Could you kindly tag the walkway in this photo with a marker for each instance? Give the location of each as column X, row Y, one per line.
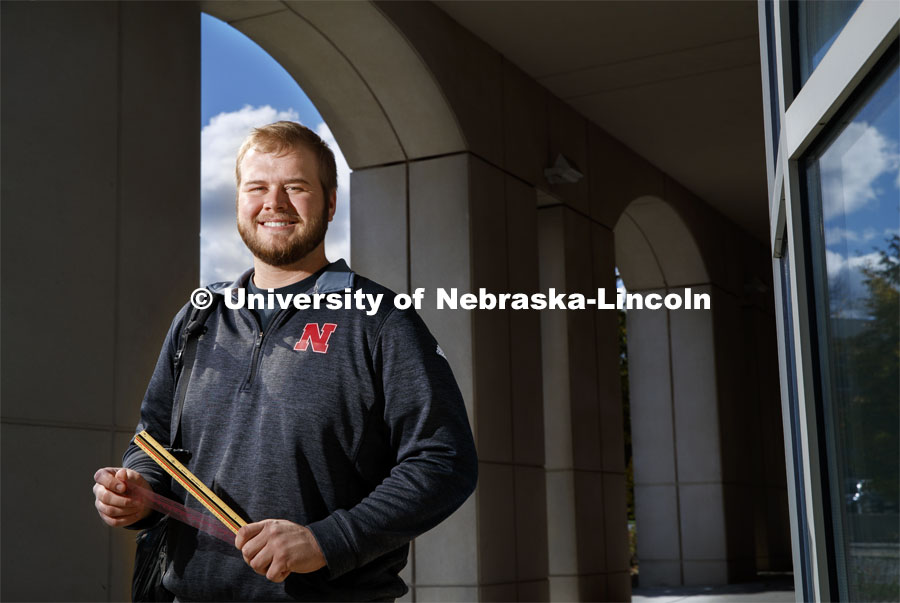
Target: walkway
column 772, row 590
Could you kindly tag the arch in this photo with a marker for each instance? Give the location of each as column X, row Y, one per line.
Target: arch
column 379, row 99
column 655, row 249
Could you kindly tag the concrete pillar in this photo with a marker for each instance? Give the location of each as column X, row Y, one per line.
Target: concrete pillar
column 100, row 236
column 458, row 222
column 583, row 423
column 656, row 497
column 695, row 422
column 698, row 444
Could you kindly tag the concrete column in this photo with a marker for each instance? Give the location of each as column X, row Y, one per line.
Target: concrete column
column 379, row 206
column 101, row 222
column 458, row 222
column 679, row 490
column 698, row 444
column 585, row 475
column 695, row 422
column 653, row 443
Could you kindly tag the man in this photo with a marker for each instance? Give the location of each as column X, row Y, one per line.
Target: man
column 340, row 435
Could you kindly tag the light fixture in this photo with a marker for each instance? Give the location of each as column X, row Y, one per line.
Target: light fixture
column 563, row 171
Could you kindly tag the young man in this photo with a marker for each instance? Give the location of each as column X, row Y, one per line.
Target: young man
column 339, row 433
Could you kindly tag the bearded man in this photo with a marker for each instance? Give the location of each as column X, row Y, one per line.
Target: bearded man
column 340, row 434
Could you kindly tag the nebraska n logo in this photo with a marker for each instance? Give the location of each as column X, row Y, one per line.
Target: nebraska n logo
column 318, row 338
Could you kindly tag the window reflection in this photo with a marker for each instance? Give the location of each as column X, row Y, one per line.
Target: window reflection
column 855, row 196
column 819, row 24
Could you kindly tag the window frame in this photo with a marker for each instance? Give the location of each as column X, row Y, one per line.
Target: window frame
column 804, row 113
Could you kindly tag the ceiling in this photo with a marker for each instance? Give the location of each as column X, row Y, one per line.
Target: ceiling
column 677, row 81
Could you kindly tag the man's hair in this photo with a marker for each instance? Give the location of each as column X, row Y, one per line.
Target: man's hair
column 285, row 136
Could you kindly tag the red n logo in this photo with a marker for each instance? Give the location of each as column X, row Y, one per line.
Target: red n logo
column 318, row 339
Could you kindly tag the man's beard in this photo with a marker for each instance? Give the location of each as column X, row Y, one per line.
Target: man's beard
column 291, row 250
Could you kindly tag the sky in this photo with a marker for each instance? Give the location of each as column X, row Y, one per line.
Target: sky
column 859, row 188
column 243, row 87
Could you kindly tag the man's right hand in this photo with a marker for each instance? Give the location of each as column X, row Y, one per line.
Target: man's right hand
column 115, row 499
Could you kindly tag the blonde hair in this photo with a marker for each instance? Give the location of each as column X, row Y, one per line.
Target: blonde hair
column 284, row 136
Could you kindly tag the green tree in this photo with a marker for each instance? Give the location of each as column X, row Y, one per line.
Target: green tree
column 874, row 399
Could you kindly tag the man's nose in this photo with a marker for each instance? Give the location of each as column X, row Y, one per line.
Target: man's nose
column 277, row 199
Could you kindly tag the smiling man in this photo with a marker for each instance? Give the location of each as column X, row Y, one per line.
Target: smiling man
column 338, row 433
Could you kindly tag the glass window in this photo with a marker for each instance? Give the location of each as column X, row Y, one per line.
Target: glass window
column 818, row 25
column 854, row 216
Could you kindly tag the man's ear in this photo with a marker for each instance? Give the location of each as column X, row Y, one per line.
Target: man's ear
column 332, row 204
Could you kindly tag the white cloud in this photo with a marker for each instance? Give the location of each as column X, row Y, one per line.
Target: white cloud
column 835, row 263
column 859, row 156
column 846, row 287
column 837, row 234
column 223, row 255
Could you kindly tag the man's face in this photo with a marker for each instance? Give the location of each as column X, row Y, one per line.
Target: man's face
column 282, row 213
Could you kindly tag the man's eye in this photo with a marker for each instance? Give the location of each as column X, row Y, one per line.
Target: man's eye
column 295, row 189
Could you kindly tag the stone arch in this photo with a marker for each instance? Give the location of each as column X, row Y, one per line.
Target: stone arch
column 655, row 248
column 379, row 99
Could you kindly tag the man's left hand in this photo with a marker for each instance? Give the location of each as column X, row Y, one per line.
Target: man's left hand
column 276, row 547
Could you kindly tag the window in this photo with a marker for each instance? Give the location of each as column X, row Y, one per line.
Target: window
column 818, row 25
column 854, row 216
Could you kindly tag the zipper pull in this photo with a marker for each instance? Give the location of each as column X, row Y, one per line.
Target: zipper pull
column 259, row 339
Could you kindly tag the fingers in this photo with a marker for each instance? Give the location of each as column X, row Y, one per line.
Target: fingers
column 117, row 522
column 259, row 545
column 106, row 477
column 131, row 478
column 277, row 572
column 248, row 532
column 252, row 540
column 262, row 560
column 114, row 505
column 116, row 516
column 108, row 497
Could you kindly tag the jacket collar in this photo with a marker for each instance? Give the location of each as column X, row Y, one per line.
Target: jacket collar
column 336, row 277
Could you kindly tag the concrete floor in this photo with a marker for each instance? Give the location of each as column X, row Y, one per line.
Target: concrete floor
column 774, row 590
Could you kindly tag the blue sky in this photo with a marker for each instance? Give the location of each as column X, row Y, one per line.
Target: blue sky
column 860, row 195
column 243, row 87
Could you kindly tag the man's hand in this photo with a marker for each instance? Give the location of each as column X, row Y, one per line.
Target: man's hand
column 114, row 496
column 276, row 547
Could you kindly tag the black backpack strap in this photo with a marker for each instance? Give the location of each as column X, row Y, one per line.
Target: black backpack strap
column 184, row 361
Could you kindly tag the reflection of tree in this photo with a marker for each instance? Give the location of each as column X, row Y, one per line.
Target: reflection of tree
column 840, row 295
column 873, row 366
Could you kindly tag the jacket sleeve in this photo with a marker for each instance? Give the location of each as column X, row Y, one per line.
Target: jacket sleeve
column 436, row 467
column 156, row 415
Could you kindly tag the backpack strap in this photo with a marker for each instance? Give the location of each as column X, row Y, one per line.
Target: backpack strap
column 184, row 361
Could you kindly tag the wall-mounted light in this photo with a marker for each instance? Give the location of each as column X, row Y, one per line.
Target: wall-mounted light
column 563, row 171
